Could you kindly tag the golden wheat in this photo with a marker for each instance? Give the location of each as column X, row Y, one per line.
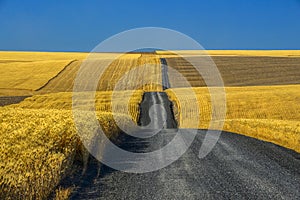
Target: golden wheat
column 143, row 72
column 29, row 75
column 39, row 140
column 269, row 113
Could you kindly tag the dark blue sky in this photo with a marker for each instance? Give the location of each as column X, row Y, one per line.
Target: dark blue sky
column 80, row 25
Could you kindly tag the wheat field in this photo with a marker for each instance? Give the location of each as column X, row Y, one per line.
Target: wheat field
column 145, row 75
column 268, row 113
column 38, row 147
column 29, row 73
column 39, row 140
column 24, row 72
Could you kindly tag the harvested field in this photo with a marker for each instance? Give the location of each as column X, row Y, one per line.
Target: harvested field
column 272, row 53
column 240, row 71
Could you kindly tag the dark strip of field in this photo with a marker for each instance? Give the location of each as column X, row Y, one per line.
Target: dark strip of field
column 240, row 70
column 7, row 100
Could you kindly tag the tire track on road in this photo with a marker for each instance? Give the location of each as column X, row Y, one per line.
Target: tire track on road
column 165, row 76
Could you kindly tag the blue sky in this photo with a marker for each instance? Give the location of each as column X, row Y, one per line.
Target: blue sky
column 80, row 25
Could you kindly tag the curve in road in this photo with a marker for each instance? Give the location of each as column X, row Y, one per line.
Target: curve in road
column 238, row 167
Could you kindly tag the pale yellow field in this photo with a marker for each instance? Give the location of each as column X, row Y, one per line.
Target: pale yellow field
column 39, row 140
column 17, row 56
column 24, row 72
column 270, row 113
column 29, row 75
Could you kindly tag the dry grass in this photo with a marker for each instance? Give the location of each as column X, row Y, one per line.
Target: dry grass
column 270, row 113
column 63, row 193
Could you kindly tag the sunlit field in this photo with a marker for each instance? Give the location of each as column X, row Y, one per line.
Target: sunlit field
column 24, row 72
column 39, row 140
column 270, row 113
column 38, row 136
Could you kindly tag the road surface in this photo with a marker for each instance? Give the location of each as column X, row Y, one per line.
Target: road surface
column 164, row 71
column 238, row 167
